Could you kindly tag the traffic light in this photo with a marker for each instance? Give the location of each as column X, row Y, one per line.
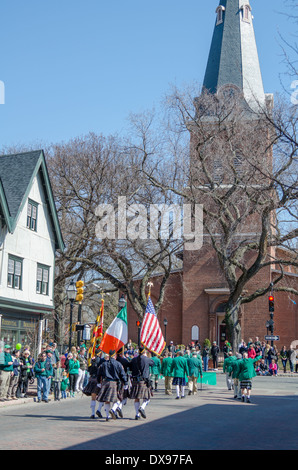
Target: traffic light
column 271, row 303
column 80, row 291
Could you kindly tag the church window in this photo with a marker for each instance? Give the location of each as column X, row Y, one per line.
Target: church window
column 238, row 164
column 217, row 172
column 246, row 13
column 220, row 12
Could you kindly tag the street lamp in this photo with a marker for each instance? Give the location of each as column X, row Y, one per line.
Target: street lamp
column 71, row 294
column 121, row 302
column 165, row 322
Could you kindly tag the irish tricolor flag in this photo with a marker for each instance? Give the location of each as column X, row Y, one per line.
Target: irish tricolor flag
column 117, row 334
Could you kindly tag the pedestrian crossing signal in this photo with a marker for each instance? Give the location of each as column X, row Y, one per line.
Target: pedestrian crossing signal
column 271, row 303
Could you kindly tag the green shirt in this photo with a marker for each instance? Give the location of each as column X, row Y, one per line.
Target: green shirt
column 179, row 367
column 195, row 366
column 246, row 368
column 166, row 367
column 155, row 370
column 73, row 366
column 228, row 364
column 7, row 358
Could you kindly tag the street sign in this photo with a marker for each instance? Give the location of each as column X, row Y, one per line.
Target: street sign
column 272, row 338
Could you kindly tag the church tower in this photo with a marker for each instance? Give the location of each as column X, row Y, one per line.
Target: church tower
column 229, row 144
column 233, row 57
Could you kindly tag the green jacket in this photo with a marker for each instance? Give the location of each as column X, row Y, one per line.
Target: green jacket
column 73, row 366
column 195, row 366
column 228, row 364
column 155, row 370
column 179, row 367
column 64, row 383
column 46, row 365
column 166, row 367
column 7, row 358
column 246, row 368
column 235, row 368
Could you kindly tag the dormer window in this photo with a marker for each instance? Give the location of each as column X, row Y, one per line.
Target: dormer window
column 246, row 13
column 220, row 13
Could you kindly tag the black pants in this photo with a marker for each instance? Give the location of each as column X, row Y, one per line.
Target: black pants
column 72, row 382
column 215, row 361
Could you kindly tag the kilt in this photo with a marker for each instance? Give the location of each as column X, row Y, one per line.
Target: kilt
column 108, row 391
column 179, row 381
column 91, row 387
column 246, row 384
column 140, row 390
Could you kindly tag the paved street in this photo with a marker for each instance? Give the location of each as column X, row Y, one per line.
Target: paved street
column 211, row 420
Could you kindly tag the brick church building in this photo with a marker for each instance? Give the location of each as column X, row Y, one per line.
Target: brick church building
column 196, row 294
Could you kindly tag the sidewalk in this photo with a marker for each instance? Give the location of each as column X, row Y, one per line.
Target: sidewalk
column 31, row 397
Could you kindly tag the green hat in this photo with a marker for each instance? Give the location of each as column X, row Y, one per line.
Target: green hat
column 7, row 346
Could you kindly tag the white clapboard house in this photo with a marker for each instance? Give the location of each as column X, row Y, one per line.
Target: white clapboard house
column 30, row 235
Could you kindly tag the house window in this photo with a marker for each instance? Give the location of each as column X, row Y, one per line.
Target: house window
column 14, row 275
column 220, row 12
column 32, row 215
column 42, row 279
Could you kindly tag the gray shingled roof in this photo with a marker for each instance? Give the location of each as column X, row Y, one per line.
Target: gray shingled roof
column 15, row 173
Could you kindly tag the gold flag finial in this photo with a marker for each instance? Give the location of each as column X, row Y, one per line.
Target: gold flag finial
column 150, row 284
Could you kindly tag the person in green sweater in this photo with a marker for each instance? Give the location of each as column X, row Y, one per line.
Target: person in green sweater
column 195, row 370
column 155, row 370
column 235, row 376
column 180, row 371
column 6, row 371
column 246, row 374
column 64, row 384
column 228, row 369
column 73, row 371
column 166, row 372
column 44, row 372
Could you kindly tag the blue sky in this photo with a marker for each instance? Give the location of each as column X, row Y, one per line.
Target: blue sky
column 73, row 66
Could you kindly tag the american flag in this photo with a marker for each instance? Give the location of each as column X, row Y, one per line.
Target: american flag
column 151, row 335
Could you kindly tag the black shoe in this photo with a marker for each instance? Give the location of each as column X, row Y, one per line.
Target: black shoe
column 92, row 417
column 137, row 418
column 142, row 413
column 177, row 398
column 113, row 414
column 99, row 414
column 182, row 396
column 119, row 411
column 248, row 400
column 243, row 398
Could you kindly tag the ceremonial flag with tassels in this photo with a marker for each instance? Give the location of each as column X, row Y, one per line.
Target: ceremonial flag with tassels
column 97, row 332
column 116, row 335
column 151, row 335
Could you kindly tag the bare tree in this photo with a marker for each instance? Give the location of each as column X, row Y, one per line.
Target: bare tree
column 242, row 167
column 91, row 176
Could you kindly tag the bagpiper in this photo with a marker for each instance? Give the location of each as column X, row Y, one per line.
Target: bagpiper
column 141, row 384
column 110, row 375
